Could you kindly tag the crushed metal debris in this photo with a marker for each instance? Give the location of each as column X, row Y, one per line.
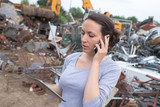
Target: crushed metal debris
column 38, row 49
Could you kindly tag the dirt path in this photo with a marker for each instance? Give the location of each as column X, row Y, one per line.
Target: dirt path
column 16, row 95
column 12, row 93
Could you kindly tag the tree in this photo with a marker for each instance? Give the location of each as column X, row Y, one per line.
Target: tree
column 134, row 19
column 76, row 12
column 25, row 2
column 63, row 17
column 119, row 17
column 34, row 5
column 42, row 3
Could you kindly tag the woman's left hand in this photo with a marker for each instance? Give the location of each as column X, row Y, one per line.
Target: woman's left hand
column 102, row 51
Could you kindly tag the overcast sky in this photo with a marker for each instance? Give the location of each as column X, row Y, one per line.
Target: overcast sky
column 141, row 9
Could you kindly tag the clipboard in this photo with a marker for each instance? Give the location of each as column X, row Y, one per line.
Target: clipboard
column 43, row 85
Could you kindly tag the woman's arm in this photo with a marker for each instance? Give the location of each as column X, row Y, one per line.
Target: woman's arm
column 92, row 87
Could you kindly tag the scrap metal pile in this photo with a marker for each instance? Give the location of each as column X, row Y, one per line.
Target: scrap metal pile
column 20, row 24
column 141, row 48
column 24, row 45
column 30, row 30
column 23, row 33
column 139, row 54
column 138, row 94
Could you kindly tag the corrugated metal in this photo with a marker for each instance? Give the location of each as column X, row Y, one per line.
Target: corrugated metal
column 39, row 12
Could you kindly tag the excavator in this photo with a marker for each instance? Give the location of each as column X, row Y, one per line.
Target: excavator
column 118, row 25
column 54, row 5
column 87, row 6
column 52, row 12
column 39, row 17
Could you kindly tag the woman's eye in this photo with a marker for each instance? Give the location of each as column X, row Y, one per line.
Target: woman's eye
column 91, row 36
column 82, row 33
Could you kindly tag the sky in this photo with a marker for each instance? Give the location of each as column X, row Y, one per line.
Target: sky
column 141, row 9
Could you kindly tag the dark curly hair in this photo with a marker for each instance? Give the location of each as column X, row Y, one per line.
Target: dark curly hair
column 107, row 27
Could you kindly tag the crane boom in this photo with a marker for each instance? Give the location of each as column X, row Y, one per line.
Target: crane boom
column 87, row 5
column 55, row 6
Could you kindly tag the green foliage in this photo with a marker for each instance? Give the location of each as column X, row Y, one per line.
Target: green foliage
column 76, row 12
column 133, row 18
column 34, row 5
column 25, row 2
column 42, row 3
column 63, row 17
column 119, row 17
column 63, row 12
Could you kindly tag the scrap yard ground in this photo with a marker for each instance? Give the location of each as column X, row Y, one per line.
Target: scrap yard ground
column 18, row 96
column 14, row 94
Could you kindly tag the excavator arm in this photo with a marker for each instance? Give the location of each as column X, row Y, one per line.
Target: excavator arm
column 55, row 6
column 87, row 5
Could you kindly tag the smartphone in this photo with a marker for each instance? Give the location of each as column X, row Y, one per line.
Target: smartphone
column 95, row 48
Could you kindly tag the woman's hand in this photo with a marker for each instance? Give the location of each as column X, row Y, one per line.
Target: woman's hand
column 37, row 90
column 101, row 53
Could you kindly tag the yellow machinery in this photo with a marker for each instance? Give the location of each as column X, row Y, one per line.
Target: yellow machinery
column 118, row 25
column 42, row 15
column 55, row 6
column 87, row 5
column 107, row 14
column 51, row 12
column 89, row 8
column 54, row 10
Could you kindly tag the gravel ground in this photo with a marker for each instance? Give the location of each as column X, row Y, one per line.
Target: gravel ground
column 13, row 94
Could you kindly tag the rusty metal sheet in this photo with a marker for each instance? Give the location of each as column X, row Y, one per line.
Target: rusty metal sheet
column 156, row 41
column 3, row 40
column 5, row 1
column 2, row 25
column 25, row 36
column 39, row 12
column 11, row 33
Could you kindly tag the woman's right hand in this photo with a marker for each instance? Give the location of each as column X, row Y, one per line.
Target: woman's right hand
column 38, row 90
column 102, row 51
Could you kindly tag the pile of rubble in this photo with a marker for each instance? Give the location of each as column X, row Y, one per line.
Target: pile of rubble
column 12, row 35
column 42, row 40
column 31, row 44
column 21, row 28
column 141, row 48
column 139, row 56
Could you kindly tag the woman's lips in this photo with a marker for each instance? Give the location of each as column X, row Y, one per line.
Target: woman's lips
column 84, row 47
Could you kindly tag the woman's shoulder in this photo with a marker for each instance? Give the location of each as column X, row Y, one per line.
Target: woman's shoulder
column 73, row 55
column 111, row 64
column 110, row 67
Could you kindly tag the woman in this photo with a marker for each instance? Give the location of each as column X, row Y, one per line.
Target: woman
column 88, row 77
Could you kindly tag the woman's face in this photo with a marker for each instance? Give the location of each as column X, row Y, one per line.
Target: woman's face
column 90, row 35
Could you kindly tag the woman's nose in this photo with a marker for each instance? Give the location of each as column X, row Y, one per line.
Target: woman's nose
column 84, row 38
